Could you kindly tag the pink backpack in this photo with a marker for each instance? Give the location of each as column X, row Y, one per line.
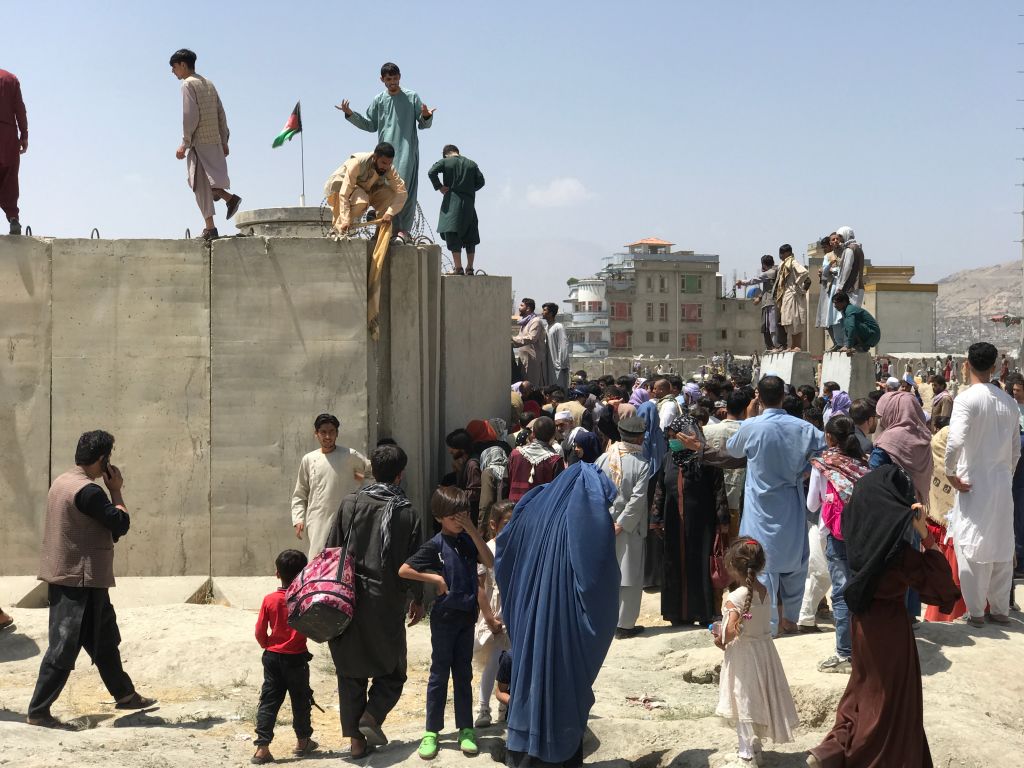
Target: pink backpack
column 322, row 598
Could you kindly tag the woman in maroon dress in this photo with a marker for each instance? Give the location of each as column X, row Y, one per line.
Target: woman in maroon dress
column 880, row 720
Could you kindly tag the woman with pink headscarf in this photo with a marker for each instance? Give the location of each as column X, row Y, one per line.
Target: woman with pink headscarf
column 905, row 440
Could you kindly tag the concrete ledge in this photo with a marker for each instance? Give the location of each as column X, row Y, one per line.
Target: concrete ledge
column 855, row 374
column 794, row 368
column 246, row 592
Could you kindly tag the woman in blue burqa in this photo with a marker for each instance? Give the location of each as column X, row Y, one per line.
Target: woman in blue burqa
column 555, row 566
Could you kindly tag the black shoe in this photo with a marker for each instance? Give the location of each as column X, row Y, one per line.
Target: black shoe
column 210, row 234
column 15, row 227
column 136, row 702
column 625, row 634
column 233, row 205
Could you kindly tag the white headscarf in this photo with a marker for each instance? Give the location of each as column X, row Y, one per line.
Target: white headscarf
column 847, row 234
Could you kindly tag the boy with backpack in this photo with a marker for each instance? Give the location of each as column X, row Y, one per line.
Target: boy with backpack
column 285, row 666
column 449, row 561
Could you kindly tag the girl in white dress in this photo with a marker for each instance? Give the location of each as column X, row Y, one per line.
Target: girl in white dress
column 753, row 694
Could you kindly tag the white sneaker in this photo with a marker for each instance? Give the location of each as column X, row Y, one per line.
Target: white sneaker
column 483, row 720
column 835, row 663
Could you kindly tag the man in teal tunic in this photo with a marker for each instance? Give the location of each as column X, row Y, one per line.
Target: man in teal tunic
column 394, row 115
column 862, row 331
column 460, row 178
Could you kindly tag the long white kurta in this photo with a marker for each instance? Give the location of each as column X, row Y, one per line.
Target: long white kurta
column 324, row 480
column 982, row 449
column 560, row 350
column 630, row 511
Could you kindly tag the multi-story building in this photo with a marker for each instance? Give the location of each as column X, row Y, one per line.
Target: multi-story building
column 659, row 302
column 587, row 321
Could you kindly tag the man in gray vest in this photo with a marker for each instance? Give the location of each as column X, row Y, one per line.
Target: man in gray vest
column 77, row 562
column 204, row 140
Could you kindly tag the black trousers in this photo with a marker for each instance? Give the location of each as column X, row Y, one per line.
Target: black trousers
column 80, row 617
column 354, row 699
column 284, row 673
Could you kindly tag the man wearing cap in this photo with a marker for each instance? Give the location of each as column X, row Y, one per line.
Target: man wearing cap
column 576, row 405
column 564, row 424
column 625, row 465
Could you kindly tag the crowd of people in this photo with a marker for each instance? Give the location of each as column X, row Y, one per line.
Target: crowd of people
column 751, row 507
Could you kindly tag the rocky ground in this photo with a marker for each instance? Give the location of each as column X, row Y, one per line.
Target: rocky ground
column 203, row 664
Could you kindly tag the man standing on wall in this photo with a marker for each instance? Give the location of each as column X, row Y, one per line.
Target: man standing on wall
column 531, row 343
column 395, row 114
column 13, row 144
column 459, row 179
column 204, row 140
column 326, row 476
column 77, row 563
column 559, row 346
column 791, row 286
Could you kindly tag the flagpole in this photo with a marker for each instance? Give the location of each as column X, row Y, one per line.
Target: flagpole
column 302, row 155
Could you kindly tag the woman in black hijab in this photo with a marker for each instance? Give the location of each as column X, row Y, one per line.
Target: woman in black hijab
column 690, row 503
column 880, row 720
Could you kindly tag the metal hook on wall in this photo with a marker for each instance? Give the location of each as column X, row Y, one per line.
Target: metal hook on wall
column 28, row 231
column 188, row 233
column 95, row 234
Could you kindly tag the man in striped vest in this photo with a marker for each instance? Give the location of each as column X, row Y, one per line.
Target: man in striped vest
column 204, row 140
column 77, row 562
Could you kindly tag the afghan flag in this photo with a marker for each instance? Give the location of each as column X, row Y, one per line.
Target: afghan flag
column 293, row 126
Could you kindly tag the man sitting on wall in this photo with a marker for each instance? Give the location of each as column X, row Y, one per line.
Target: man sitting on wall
column 862, row 331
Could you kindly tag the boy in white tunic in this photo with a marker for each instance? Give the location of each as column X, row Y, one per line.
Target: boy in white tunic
column 326, row 476
column 981, row 454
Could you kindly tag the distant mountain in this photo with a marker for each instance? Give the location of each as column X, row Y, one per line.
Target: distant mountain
column 988, row 291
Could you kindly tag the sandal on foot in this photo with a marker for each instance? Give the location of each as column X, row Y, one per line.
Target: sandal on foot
column 469, row 271
column 258, row 759
column 210, row 234
column 457, row 271
column 303, row 751
column 48, row 721
column 372, row 733
column 233, row 205
column 135, row 702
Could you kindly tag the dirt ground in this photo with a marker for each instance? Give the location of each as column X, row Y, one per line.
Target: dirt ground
column 203, row 664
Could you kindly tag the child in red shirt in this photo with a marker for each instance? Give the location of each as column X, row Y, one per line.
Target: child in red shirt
column 285, row 666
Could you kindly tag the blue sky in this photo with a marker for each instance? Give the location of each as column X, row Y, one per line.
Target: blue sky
column 724, row 127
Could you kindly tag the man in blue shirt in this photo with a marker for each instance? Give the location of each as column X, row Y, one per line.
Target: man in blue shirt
column 777, row 447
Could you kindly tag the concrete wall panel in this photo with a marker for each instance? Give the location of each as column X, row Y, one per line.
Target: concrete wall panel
column 474, row 349
column 288, row 342
column 24, row 400
column 855, row 374
column 409, row 367
column 131, row 355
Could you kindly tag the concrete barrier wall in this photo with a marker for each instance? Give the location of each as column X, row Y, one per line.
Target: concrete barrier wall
column 469, row 354
column 24, row 400
column 131, row 355
column 288, row 342
column 209, row 365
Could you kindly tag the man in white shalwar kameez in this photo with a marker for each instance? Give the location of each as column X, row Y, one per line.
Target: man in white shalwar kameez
column 559, row 347
column 326, row 476
column 981, row 454
column 625, row 465
column 204, row 140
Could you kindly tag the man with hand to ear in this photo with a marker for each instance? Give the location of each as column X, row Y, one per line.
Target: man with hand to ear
column 77, row 563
